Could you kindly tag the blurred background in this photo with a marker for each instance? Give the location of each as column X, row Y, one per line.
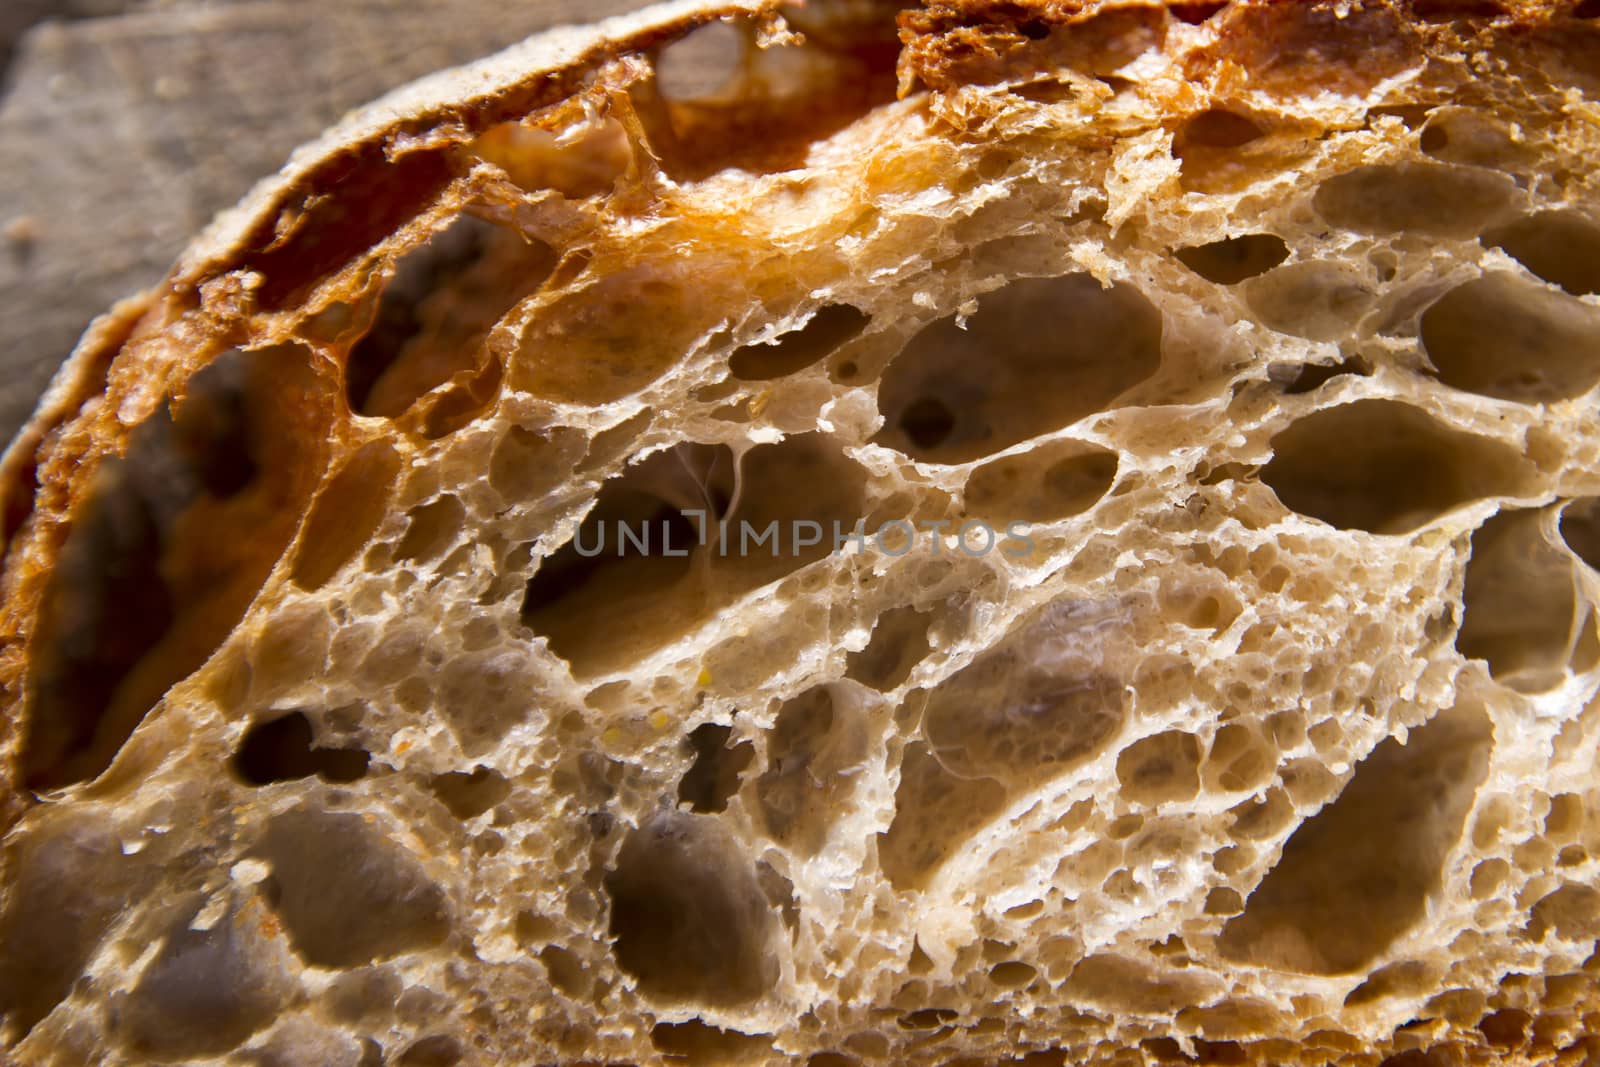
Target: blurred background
column 125, row 125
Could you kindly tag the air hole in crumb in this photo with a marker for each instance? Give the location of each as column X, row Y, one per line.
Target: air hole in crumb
column 928, row 1018
column 58, row 907
column 815, row 753
column 1565, row 818
column 1571, row 912
column 1123, row 985
column 1454, row 10
column 1045, row 91
column 106, row 608
column 1358, row 874
column 214, row 429
column 345, row 514
column 284, row 750
column 432, row 529
column 1022, row 713
column 418, row 1004
column 1049, row 483
column 1506, row 1029
column 1024, row 912
column 642, row 570
column 1405, row 978
column 482, row 695
column 1314, row 299
column 581, row 160
column 339, row 211
column 1561, row 247
column 531, row 928
column 566, row 970
column 1410, row 1058
column 1233, row 259
column 1221, row 1053
column 417, row 276
column 1218, row 128
column 1213, row 147
column 1384, row 467
column 953, row 395
column 615, row 441
column 1224, row 901
column 469, row 794
column 1018, row 711
column 898, row 643
column 1002, row 717
column 935, row 813
column 166, row 549
column 1580, row 529
column 612, row 333
column 696, row 1042
column 1587, row 9
column 636, row 538
column 1313, row 376
column 437, row 1050
column 203, row 993
column 1228, row 472
column 1468, row 136
column 1519, row 603
column 347, row 893
column 689, row 920
column 780, row 894
column 1505, row 337
column 365, row 994
column 700, row 64
column 1012, row 974
column 824, row 333
column 1432, row 198
column 1160, row 769
column 470, row 394
column 1194, row 12
column 714, row 776
column 1240, row 760
column 1163, row 1050
column 719, row 101
column 927, row 422
column 919, row 962
column 436, row 311
column 526, row 463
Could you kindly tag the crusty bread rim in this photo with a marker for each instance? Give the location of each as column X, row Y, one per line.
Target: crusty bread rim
column 540, row 70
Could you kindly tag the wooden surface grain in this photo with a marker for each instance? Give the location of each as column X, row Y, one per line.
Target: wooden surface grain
column 125, row 125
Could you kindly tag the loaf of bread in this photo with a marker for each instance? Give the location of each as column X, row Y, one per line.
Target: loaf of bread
column 1038, row 532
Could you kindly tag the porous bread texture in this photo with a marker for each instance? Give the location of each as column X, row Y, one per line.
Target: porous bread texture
column 1275, row 323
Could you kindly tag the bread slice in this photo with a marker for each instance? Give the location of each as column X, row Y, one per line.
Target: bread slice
column 1123, row 490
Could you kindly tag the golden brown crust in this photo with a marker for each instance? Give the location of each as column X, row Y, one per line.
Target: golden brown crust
column 1281, row 46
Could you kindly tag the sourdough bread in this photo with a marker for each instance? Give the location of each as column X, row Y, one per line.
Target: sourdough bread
column 998, row 532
